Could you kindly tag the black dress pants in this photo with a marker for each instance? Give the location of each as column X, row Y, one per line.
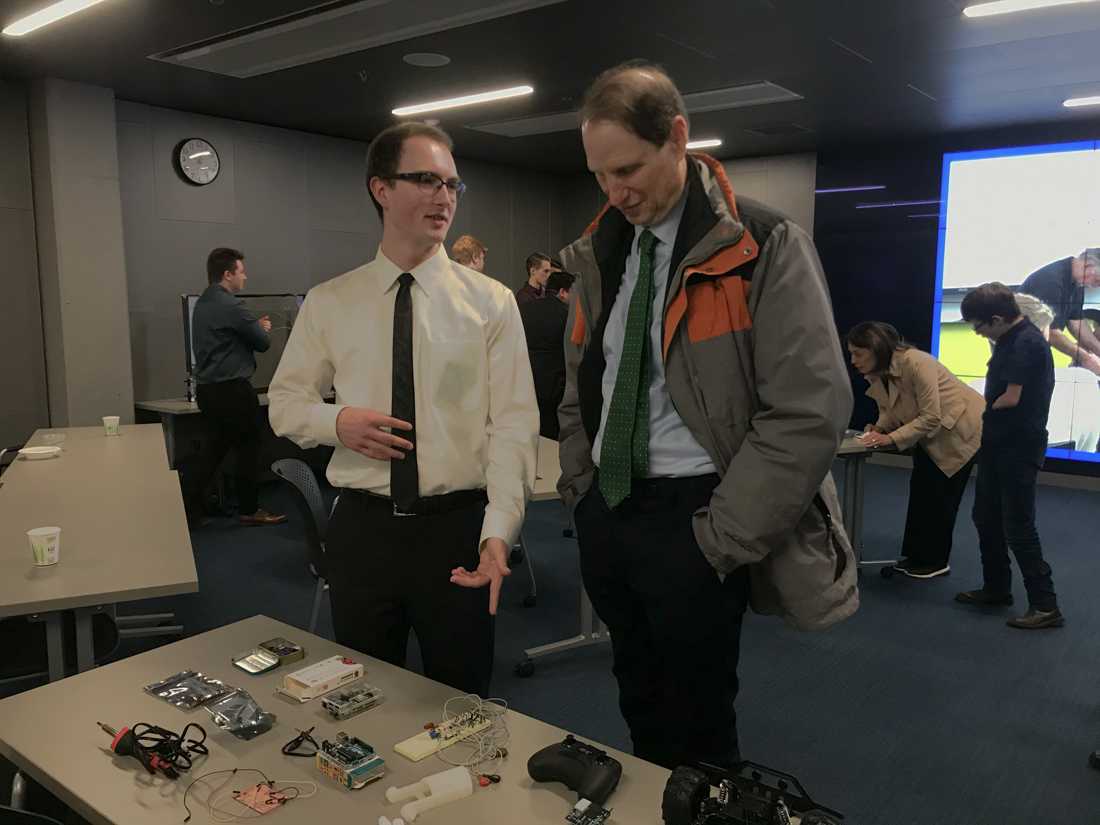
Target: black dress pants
column 230, row 409
column 675, row 626
column 1004, row 513
column 934, row 501
column 389, row 574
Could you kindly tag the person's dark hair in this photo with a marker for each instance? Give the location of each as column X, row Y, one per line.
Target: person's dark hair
column 535, row 259
column 219, row 261
column 988, row 300
column 882, row 339
column 637, row 95
column 559, row 281
column 384, row 152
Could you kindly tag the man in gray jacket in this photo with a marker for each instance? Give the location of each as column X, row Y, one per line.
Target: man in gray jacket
column 706, row 395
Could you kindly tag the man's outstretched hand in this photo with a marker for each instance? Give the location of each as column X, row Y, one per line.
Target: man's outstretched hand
column 491, row 571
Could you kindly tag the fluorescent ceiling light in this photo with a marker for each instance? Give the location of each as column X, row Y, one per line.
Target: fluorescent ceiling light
column 465, row 100
column 891, row 204
column 1010, row 6
column 1074, row 102
column 198, row 155
column 709, row 143
column 50, row 14
column 848, row 189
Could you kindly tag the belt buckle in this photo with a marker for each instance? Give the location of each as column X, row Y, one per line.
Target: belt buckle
column 399, row 513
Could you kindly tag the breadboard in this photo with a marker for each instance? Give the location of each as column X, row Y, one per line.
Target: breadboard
column 445, row 733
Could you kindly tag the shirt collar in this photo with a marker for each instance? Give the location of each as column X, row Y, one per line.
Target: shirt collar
column 666, row 230
column 429, row 275
column 1013, row 331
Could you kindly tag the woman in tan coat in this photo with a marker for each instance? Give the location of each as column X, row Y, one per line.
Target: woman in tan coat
column 922, row 407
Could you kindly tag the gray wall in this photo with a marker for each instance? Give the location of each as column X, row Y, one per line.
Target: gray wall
column 784, row 182
column 296, row 205
column 23, row 367
column 82, row 269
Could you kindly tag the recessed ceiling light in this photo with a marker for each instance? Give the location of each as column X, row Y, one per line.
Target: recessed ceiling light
column 1074, row 102
column 709, row 143
column 426, row 60
column 848, row 189
column 464, row 100
column 50, row 14
column 1010, row 6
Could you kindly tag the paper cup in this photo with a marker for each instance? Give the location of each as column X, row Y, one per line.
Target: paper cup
column 110, row 424
column 45, row 545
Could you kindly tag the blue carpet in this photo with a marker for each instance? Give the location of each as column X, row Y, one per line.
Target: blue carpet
column 917, row 711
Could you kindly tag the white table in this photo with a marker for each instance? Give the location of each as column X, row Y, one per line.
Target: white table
column 55, row 740
column 123, row 530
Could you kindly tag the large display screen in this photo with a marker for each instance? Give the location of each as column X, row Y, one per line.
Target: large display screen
column 1030, row 218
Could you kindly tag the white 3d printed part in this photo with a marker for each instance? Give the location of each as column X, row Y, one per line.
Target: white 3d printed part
column 314, row 680
column 432, row 791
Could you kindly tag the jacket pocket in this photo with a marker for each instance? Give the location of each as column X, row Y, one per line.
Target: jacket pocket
column 717, row 306
column 841, row 562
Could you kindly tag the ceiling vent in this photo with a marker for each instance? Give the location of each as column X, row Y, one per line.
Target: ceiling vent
column 332, row 29
column 731, row 97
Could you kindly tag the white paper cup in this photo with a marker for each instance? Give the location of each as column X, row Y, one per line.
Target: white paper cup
column 45, row 545
column 110, row 424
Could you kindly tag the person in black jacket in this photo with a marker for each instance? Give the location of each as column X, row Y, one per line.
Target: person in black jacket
column 225, row 336
column 544, row 323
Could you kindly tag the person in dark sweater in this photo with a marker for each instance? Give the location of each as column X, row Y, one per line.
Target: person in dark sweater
column 225, row 337
column 544, row 324
column 1061, row 285
column 1018, row 388
column 539, row 267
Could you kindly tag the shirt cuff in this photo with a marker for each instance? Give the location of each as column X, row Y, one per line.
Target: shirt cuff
column 323, row 423
column 499, row 525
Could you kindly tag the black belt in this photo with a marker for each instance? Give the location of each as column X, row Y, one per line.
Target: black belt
column 649, row 495
column 427, row 505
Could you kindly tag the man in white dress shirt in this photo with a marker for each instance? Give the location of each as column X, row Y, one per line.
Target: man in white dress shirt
column 435, row 423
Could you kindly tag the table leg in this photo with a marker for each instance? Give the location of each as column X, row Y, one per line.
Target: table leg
column 167, row 423
column 592, row 632
column 55, row 645
column 856, row 533
column 85, row 647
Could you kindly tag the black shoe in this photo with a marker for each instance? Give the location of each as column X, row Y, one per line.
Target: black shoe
column 1038, row 619
column 984, row 598
column 922, row 571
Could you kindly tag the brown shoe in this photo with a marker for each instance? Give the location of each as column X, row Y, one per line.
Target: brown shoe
column 262, row 517
column 1038, row 619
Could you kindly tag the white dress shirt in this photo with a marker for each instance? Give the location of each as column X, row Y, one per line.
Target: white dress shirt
column 477, row 421
column 673, row 450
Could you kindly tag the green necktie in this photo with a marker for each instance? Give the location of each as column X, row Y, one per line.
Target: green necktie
column 624, row 452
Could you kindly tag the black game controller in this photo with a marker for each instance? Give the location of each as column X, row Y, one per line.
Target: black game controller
column 579, row 766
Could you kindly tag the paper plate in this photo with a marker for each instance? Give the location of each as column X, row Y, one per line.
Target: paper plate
column 38, row 453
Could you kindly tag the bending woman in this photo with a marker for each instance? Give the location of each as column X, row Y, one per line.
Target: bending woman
column 922, row 407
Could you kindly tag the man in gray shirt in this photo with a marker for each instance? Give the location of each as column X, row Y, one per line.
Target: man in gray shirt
column 225, row 336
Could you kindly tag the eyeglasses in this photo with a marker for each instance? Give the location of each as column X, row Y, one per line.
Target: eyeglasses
column 429, row 182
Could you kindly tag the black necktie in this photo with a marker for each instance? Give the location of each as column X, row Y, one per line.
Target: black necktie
column 404, row 478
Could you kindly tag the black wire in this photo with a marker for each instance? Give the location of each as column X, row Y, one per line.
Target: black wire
column 291, row 747
column 215, row 773
column 174, row 748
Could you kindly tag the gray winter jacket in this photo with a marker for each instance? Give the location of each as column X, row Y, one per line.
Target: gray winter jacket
column 754, row 368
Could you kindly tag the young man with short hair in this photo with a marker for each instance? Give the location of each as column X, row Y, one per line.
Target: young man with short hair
column 435, row 424
column 1018, row 389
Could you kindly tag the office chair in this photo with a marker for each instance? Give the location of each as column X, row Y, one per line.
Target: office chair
column 311, row 507
column 8, row 455
column 14, row 816
column 25, row 641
